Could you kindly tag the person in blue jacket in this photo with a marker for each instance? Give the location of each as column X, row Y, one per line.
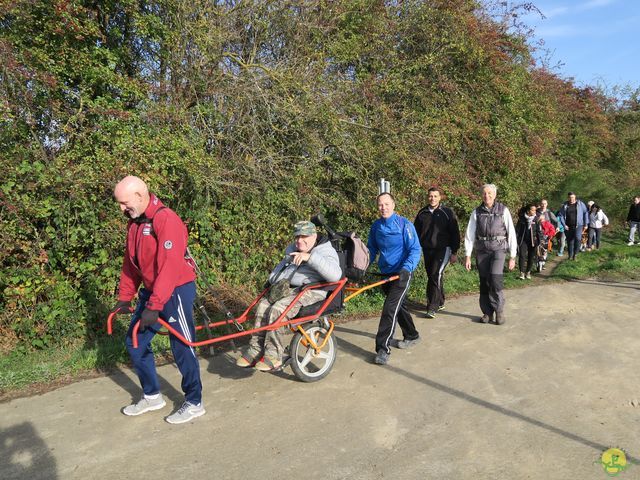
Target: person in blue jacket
column 574, row 218
column 395, row 240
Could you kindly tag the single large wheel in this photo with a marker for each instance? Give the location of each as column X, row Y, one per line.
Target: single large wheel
column 308, row 365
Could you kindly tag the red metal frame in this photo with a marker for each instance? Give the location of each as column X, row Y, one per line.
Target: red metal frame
column 279, row 323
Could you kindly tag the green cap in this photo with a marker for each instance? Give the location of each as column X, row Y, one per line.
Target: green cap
column 304, row 228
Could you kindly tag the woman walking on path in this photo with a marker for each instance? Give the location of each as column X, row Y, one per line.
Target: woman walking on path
column 597, row 220
column 529, row 236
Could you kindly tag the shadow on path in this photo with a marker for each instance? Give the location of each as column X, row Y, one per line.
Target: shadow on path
column 605, row 283
column 25, row 455
column 473, row 318
column 223, row 363
column 354, row 332
column 357, row 351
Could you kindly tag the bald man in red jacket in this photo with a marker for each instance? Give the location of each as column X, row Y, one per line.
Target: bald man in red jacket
column 155, row 258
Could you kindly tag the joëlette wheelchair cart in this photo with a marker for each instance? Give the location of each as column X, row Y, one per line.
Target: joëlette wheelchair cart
column 312, row 350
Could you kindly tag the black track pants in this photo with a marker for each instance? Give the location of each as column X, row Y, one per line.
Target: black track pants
column 435, row 261
column 395, row 312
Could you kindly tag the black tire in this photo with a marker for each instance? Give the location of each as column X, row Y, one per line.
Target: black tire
column 306, row 365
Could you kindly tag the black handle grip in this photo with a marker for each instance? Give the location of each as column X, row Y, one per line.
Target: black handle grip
column 319, row 221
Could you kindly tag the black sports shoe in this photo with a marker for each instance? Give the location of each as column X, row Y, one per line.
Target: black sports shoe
column 431, row 314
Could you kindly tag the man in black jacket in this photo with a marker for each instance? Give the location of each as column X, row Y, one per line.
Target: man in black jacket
column 634, row 219
column 439, row 235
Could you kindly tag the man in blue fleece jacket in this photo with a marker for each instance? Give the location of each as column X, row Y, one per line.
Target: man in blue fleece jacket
column 395, row 239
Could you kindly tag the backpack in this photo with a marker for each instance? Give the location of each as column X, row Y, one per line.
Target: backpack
column 356, row 253
column 352, row 251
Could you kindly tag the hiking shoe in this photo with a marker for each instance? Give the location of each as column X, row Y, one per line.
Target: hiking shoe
column 382, row 357
column 521, row 277
column 431, row 314
column 402, row 344
column 144, row 405
column 267, row 364
column 441, row 307
column 528, row 276
column 486, row 318
column 500, row 318
column 245, row 361
column 187, row 412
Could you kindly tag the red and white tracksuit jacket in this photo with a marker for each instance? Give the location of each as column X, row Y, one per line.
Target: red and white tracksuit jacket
column 155, row 255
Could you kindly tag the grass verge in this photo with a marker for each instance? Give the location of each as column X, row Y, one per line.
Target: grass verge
column 37, row 371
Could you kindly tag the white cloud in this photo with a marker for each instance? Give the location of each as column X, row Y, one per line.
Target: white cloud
column 555, row 12
column 595, row 4
column 546, row 31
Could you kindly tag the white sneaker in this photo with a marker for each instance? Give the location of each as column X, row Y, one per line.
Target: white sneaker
column 187, row 412
column 144, row 405
column 629, row 244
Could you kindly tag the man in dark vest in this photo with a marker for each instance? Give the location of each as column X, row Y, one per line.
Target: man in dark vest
column 492, row 234
column 439, row 235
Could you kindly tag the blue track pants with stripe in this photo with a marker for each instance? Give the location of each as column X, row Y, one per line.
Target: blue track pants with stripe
column 178, row 312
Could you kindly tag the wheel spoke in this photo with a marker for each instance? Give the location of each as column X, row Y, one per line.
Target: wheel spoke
column 324, row 354
column 307, row 358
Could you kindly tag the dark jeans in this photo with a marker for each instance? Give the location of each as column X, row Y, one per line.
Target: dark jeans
column 435, row 261
column 574, row 237
column 560, row 237
column 594, row 237
column 394, row 312
column 526, row 253
column 490, row 270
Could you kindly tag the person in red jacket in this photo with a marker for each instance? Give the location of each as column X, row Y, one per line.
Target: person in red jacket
column 155, row 257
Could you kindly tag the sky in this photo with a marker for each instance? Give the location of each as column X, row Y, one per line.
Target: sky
column 597, row 42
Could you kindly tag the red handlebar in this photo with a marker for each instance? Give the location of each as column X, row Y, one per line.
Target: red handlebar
column 110, row 319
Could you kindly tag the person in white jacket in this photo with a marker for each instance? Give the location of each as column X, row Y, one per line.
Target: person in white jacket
column 597, row 220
